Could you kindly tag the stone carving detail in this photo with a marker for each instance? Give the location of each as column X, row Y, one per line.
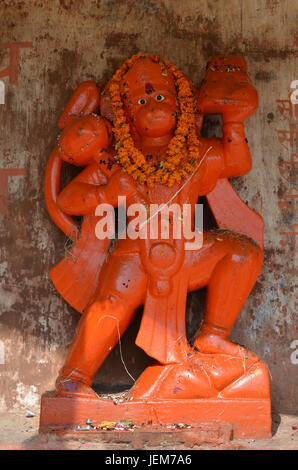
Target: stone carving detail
column 140, row 139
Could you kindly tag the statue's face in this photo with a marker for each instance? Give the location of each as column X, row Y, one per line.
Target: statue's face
column 149, row 97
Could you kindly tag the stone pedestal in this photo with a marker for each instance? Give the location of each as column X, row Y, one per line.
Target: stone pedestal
column 214, row 419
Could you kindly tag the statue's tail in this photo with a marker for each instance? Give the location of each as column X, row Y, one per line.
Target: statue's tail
column 51, row 190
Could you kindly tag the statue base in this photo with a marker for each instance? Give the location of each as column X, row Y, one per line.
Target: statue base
column 233, row 418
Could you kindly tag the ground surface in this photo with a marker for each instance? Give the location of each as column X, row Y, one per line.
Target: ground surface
column 20, row 432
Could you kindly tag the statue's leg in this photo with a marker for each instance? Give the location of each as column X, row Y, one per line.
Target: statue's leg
column 229, row 265
column 121, row 290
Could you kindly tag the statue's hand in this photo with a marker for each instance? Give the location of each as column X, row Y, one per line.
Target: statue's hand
column 83, row 138
column 123, row 184
column 241, row 109
column 227, row 89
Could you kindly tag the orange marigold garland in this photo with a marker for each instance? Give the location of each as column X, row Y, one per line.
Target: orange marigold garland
column 182, row 155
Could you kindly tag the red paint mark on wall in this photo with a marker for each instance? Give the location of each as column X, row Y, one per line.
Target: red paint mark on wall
column 4, row 175
column 288, row 137
column 287, row 109
column 12, row 71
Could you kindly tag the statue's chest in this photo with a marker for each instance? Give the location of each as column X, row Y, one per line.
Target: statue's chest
column 177, row 194
column 161, row 194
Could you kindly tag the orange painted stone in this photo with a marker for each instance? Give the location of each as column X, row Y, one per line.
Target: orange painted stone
column 222, row 420
column 140, row 139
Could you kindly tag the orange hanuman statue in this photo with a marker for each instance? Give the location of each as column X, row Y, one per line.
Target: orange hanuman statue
column 140, row 138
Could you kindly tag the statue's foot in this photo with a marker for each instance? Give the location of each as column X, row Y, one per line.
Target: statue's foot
column 214, row 344
column 74, row 388
column 203, row 375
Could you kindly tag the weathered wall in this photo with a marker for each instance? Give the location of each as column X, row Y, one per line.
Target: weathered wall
column 69, row 41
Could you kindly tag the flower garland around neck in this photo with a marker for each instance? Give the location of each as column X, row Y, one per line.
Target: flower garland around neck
column 182, row 155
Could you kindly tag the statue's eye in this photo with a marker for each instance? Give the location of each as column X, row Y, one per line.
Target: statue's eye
column 159, row 98
column 142, row 101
